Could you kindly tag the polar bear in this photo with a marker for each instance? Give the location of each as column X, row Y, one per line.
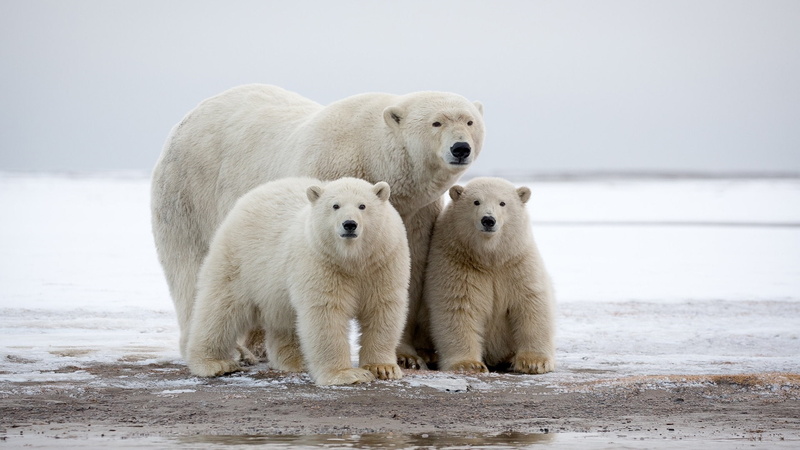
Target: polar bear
column 419, row 143
column 490, row 298
column 302, row 258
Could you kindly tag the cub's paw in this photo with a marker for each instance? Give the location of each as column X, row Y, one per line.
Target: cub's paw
column 532, row 363
column 255, row 343
column 384, row 371
column 470, row 366
column 429, row 355
column 214, row 367
column 408, row 361
column 246, row 357
column 346, row 376
column 291, row 365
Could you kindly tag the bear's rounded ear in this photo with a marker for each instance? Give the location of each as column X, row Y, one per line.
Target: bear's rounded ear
column 382, row 190
column 393, row 115
column 456, row 191
column 479, row 105
column 524, row 194
column 313, row 193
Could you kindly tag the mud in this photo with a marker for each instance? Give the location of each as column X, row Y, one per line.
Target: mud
column 163, row 403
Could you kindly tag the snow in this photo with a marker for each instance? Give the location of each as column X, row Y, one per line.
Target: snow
column 442, row 383
column 653, row 277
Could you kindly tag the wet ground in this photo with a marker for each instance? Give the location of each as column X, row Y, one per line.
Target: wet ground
column 162, row 404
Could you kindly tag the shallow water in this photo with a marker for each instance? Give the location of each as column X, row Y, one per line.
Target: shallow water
column 511, row 440
column 391, row 440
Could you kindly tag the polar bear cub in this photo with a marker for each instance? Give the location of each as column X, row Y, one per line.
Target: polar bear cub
column 301, row 258
column 490, row 298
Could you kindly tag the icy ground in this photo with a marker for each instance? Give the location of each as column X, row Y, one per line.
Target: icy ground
column 653, row 277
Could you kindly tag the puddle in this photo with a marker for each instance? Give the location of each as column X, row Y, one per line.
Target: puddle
column 511, row 440
column 379, row 440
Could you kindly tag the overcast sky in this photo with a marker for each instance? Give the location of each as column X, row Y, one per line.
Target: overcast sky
column 704, row 86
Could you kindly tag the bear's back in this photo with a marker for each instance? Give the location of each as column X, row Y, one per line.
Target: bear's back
column 265, row 215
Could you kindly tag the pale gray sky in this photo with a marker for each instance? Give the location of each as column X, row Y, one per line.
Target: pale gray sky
column 708, row 86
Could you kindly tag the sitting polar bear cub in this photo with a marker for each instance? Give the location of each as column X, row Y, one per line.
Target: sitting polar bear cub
column 301, row 258
column 490, row 298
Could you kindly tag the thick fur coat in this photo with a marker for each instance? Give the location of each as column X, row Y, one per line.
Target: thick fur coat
column 419, row 143
column 301, row 258
column 490, row 298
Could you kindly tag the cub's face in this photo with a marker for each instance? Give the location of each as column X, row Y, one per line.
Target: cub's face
column 345, row 210
column 445, row 128
column 485, row 207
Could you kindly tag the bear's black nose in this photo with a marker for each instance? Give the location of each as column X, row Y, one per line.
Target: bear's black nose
column 349, row 225
column 488, row 221
column 460, row 150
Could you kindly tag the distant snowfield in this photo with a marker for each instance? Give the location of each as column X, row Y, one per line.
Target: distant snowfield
column 653, row 277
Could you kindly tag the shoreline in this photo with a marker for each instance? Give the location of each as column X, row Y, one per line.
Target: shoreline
column 163, row 403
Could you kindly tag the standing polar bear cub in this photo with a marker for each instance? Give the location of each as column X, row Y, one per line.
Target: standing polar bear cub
column 301, row 258
column 419, row 143
column 490, row 298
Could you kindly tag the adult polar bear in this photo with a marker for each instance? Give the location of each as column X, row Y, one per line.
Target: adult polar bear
column 419, row 143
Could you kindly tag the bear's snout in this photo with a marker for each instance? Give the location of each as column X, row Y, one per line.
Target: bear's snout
column 460, row 151
column 488, row 223
column 349, row 227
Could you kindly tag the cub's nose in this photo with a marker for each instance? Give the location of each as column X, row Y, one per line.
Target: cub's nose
column 488, row 221
column 460, row 150
column 349, row 225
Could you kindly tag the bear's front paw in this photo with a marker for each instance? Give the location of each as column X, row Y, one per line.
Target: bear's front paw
column 532, row 363
column 471, row 366
column 214, row 367
column 384, row 371
column 408, row 361
column 346, row 376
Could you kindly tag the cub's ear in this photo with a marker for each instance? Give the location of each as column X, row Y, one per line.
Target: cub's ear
column 524, row 194
column 393, row 115
column 479, row 105
column 382, row 190
column 313, row 193
column 456, row 191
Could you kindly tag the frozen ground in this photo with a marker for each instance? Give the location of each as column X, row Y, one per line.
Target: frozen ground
column 653, row 277
column 673, row 278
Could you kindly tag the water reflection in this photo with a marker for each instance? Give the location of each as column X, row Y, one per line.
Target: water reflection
column 389, row 440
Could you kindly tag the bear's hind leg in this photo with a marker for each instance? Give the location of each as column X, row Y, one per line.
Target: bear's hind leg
column 247, row 357
column 255, row 343
column 208, row 367
column 217, row 323
column 416, row 348
column 283, row 346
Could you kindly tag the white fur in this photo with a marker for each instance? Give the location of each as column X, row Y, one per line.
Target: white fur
column 490, row 297
column 255, row 133
column 285, row 259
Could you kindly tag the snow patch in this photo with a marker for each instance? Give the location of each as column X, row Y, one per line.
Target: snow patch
column 653, row 277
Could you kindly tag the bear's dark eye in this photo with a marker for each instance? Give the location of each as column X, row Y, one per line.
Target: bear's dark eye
column 437, row 124
column 477, row 203
column 362, row 206
column 336, row 206
column 502, row 203
column 469, row 124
